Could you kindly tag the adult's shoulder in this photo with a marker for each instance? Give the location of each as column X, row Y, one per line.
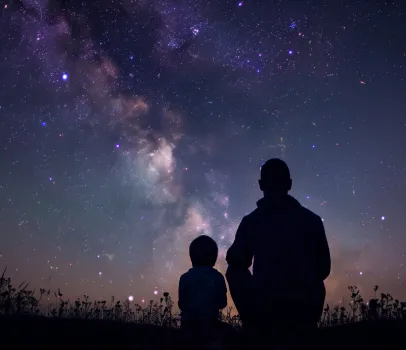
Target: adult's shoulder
column 251, row 216
column 309, row 215
column 185, row 276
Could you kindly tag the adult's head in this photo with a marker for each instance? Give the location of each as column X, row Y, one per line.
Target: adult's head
column 203, row 251
column 275, row 178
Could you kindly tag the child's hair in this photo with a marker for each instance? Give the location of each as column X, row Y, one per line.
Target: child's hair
column 203, row 251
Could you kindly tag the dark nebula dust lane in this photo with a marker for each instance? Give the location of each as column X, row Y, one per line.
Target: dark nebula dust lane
column 127, row 129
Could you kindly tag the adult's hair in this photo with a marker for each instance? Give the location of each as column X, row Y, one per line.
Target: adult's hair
column 203, row 251
column 275, row 176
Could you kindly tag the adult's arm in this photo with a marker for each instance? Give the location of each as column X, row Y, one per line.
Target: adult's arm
column 181, row 292
column 240, row 254
column 323, row 259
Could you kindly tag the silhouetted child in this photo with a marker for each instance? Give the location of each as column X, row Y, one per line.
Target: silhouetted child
column 202, row 290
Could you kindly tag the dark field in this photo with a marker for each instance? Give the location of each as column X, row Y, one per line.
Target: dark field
column 43, row 319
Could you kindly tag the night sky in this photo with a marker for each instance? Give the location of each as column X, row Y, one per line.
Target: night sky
column 127, row 128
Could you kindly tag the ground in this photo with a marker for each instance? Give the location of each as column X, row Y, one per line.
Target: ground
column 37, row 332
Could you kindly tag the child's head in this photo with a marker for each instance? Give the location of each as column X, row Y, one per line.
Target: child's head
column 203, row 251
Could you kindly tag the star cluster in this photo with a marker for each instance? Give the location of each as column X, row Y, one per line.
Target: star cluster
column 128, row 128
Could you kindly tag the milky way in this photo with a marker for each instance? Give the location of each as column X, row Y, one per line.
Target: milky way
column 129, row 128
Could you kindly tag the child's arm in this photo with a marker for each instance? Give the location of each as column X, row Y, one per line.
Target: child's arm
column 222, row 297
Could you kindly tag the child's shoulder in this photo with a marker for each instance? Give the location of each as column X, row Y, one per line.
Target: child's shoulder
column 220, row 277
column 195, row 271
column 216, row 275
column 202, row 271
column 217, row 272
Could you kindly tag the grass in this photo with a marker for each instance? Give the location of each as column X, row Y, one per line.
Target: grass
column 45, row 314
column 384, row 307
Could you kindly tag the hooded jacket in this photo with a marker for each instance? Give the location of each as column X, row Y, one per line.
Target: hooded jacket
column 289, row 247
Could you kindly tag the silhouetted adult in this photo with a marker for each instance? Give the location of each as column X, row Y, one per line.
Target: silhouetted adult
column 285, row 293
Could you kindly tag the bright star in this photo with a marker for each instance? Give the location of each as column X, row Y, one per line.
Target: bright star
column 64, row 76
column 130, row 298
column 382, row 218
column 240, row 3
column 290, row 52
